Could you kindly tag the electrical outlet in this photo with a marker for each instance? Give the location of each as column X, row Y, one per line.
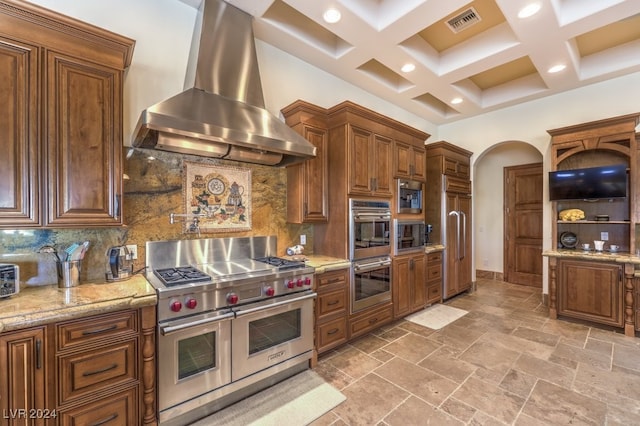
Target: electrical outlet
column 303, row 239
column 133, row 251
column 604, row 236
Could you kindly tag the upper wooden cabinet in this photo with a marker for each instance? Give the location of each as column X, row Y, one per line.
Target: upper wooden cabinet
column 409, row 161
column 307, row 182
column 450, row 160
column 62, row 126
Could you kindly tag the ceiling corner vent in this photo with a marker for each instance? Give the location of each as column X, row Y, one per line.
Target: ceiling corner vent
column 463, row 20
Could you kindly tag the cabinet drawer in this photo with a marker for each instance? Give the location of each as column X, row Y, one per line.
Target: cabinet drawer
column 434, row 257
column 96, row 329
column 363, row 323
column 88, row 372
column 434, row 272
column 459, row 186
column 434, row 292
column 331, row 302
column 332, row 278
column 331, row 334
column 115, row 410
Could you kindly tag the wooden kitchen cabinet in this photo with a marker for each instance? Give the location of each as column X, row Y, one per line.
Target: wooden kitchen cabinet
column 434, row 278
column 591, row 291
column 65, row 140
column 23, row 381
column 332, row 309
column 409, row 161
column 409, row 284
column 370, row 163
column 370, row 319
column 308, row 182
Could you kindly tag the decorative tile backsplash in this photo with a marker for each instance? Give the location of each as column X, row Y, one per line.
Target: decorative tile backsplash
column 152, row 191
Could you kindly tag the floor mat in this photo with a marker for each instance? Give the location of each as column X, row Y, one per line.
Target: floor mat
column 298, row 400
column 437, row 316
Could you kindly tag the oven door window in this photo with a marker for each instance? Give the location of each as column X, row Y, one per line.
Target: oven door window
column 372, row 283
column 371, row 233
column 196, row 354
column 274, row 330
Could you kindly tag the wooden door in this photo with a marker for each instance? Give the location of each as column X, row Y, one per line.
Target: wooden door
column 83, row 142
column 22, row 382
column 316, row 178
column 19, row 134
column 523, row 224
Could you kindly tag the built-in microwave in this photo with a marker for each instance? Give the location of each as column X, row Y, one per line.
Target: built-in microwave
column 409, row 235
column 409, row 195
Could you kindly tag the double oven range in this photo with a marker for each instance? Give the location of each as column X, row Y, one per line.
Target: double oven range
column 232, row 320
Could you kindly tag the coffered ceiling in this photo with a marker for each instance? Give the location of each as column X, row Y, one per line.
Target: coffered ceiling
column 479, row 52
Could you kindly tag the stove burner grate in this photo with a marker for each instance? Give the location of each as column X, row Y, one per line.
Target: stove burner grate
column 280, row 263
column 181, row 275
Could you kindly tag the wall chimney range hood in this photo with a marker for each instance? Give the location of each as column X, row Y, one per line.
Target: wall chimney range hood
column 221, row 114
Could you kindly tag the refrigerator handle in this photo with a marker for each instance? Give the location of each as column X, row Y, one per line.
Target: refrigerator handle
column 464, row 235
column 457, row 215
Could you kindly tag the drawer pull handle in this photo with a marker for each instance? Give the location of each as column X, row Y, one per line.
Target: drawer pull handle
column 334, row 280
column 105, row 421
column 373, row 320
column 100, row 330
column 38, row 354
column 334, row 331
column 93, row 373
column 335, row 302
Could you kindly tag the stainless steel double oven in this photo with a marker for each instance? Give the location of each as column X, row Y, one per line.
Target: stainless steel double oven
column 230, row 322
column 369, row 250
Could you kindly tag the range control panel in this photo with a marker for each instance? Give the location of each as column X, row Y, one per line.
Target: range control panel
column 9, row 279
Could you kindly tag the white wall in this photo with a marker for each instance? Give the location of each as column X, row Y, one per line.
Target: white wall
column 488, row 190
column 163, row 30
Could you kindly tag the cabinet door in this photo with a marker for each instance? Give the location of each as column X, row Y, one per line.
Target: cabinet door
column 316, row 178
column 22, row 382
column 591, row 291
column 402, row 154
column 419, row 164
column 401, row 291
column 82, row 140
column 382, row 165
column 419, row 287
column 19, row 162
column 360, row 180
column 458, row 244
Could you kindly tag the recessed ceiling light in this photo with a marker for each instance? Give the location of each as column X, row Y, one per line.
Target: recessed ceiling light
column 456, row 101
column 332, row 16
column 408, row 67
column 529, row 10
column 556, row 68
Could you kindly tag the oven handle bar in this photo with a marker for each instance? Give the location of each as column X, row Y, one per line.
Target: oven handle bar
column 367, row 216
column 366, row 267
column 275, row 305
column 166, row 330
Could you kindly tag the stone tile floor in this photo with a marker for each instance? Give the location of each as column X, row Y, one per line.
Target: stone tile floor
column 504, row 363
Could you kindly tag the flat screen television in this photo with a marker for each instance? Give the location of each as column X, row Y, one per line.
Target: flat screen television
column 589, row 183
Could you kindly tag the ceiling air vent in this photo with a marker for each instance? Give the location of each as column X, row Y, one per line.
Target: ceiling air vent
column 463, row 20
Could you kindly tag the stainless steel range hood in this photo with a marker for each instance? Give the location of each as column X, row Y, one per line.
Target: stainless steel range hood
column 221, row 113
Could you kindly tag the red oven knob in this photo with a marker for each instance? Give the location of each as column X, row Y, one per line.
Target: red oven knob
column 299, row 282
column 232, row 298
column 290, row 284
column 175, row 306
column 191, row 303
column 269, row 291
column 307, row 281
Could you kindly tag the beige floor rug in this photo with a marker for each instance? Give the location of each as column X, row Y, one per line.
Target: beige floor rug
column 437, row 316
column 296, row 401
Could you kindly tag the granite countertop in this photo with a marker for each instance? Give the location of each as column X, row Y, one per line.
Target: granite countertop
column 433, row 248
column 37, row 305
column 325, row 263
column 602, row 256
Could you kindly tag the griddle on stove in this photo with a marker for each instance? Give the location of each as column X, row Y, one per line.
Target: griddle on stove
column 280, row 263
column 181, row 275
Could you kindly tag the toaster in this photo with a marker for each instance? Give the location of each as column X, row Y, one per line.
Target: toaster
column 9, row 279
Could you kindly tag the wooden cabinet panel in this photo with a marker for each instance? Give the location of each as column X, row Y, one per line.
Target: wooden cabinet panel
column 371, row 319
column 434, row 277
column 591, row 291
column 409, row 285
column 115, row 410
column 19, row 133
column 89, row 372
column 332, row 302
column 83, row 142
column 23, row 359
column 409, row 161
column 381, row 171
column 109, row 326
column 370, row 159
column 331, row 334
